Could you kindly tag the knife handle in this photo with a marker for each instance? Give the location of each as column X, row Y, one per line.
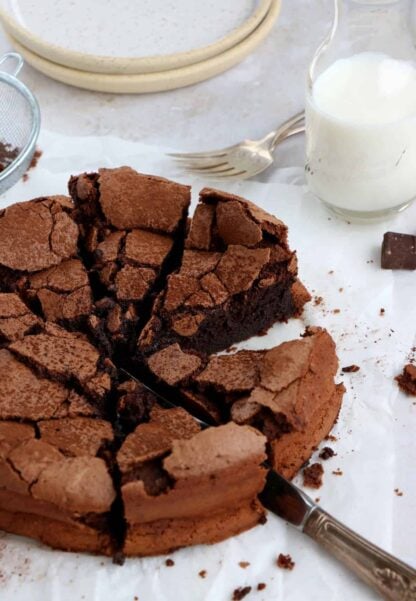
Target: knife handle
column 391, row 578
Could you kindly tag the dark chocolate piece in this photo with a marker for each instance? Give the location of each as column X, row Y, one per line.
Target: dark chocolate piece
column 398, row 251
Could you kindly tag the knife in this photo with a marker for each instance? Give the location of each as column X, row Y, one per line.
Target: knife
column 390, row 577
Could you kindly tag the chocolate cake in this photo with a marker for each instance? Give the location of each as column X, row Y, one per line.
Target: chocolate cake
column 237, row 278
column 93, row 460
column 39, row 259
column 181, row 486
column 288, row 392
column 53, row 484
column 131, row 230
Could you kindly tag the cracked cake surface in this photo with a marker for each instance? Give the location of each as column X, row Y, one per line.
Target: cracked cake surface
column 287, row 392
column 131, row 228
column 237, row 277
column 116, row 277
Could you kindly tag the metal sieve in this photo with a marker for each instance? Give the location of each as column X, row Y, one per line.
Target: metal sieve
column 19, row 121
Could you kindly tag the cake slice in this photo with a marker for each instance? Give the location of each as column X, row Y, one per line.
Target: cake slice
column 236, row 279
column 39, row 260
column 54, row 486
column 53, row 373
column 288, row 393
column 132, row 228
column 181, row 486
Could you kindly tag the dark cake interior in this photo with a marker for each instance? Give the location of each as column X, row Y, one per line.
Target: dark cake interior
column 113, row 279
column 236, row 279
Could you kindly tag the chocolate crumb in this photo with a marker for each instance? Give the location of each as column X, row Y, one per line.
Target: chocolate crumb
column 312, row 475
column 398, row 492
column 169, row 563
column 244, row 564
column 350, row 369
column 240, row 593
column 331, row 272
column 261, row 586
column 407, row 379
column 340, row 289
column 285, row 562
column 317, row 499
column 33, row 163
column 337, row 472
column 202, row 573
column 382, row 311
column 327, row 453
column 336, row 311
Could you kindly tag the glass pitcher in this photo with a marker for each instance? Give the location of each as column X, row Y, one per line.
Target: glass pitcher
column 361, row 111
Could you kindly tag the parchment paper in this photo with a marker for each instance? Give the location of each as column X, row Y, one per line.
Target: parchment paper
column 376, row 446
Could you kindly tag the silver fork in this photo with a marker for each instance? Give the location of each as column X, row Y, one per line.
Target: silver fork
column 243, row 160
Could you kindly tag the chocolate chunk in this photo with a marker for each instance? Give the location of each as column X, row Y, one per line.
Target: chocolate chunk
column 407, row 379
column 398, row 251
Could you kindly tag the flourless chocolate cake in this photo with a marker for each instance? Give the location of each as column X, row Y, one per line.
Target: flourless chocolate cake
column 39, row 259
column 93, row 460
column 237, row 278
column 131, row 230
column 288, row 392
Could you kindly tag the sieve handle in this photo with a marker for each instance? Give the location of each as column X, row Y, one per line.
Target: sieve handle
column 14, row 56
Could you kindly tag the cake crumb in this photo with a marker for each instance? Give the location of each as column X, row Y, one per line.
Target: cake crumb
column 240, row 593
column 327, row 453
column 312, row 475
column 340, row 289
column 261, row 586
column 331, row 438
column 338, row 472
column 330, row 272
column 398, row 492
column 202, row 573
column 407, row 379
column 382, row 311
column 350, row 369
column 244, row 564
column 318, row 300
column 169, row 563
column 336, row 311
column 33, row 163
column 285, row 562
column 317, row 499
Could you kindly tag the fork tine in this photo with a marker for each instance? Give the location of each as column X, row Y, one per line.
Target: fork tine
column 208, row 168
column 212, row 171
column 213, row 154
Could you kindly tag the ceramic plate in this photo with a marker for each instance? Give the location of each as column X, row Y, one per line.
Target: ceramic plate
column 129, row 36
column 153, row 82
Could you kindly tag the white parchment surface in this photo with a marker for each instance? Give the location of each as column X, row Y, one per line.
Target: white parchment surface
column 376, row 446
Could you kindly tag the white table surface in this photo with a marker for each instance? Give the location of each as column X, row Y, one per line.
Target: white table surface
column 247, row 101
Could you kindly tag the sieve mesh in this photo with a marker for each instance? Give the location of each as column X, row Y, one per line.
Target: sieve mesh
column 19, row 121
column 16, row 116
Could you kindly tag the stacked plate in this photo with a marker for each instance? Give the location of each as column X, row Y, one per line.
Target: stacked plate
column 133, row 47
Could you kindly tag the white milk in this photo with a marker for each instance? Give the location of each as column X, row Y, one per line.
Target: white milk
column 361, row 133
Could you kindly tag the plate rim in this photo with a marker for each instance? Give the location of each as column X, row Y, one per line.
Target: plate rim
column 154, row 82
column 130, row 65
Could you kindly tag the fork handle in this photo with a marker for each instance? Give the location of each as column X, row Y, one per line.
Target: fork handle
column 292, row 126
column 390, row 577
